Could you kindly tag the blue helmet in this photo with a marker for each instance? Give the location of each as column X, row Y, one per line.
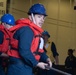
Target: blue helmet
column 8, row 19
column 46, row 33
column 37, row 9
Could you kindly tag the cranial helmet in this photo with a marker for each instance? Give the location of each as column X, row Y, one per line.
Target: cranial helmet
column 46, row 33
column 8, row 19
column 37, row 9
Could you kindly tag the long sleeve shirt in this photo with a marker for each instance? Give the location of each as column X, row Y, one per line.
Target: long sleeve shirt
column 25, row 36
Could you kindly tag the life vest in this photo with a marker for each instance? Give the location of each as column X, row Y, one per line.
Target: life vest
column 5, row 45
column 34, row 46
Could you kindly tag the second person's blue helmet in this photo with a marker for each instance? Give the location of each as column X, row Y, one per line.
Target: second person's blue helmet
column 46, row 33
column 37, row 9
column 8, row 19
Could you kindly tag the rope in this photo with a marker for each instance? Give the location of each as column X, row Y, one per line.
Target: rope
column 62, row 72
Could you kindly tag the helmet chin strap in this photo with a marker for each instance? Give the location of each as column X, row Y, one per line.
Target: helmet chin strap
column 33, row 19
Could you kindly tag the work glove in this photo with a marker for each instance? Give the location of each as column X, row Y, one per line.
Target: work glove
column 49, row 64
column 42, row 65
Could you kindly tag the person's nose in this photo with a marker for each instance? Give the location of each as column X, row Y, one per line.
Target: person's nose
column 42, row 19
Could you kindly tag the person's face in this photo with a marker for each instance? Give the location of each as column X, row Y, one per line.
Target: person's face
column 69, row 53
column 7, row 25
column 46, row 38
column 39, row 19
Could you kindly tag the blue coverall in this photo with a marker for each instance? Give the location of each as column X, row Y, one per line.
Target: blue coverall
column 1, row 41
column 25, row 64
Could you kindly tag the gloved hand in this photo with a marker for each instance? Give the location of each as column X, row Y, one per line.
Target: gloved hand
column 49, row 64
column 4, row 55
column 42, row 65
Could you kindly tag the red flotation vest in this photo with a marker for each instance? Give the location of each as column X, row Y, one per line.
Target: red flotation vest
column 35, row 43
column 4, row 47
